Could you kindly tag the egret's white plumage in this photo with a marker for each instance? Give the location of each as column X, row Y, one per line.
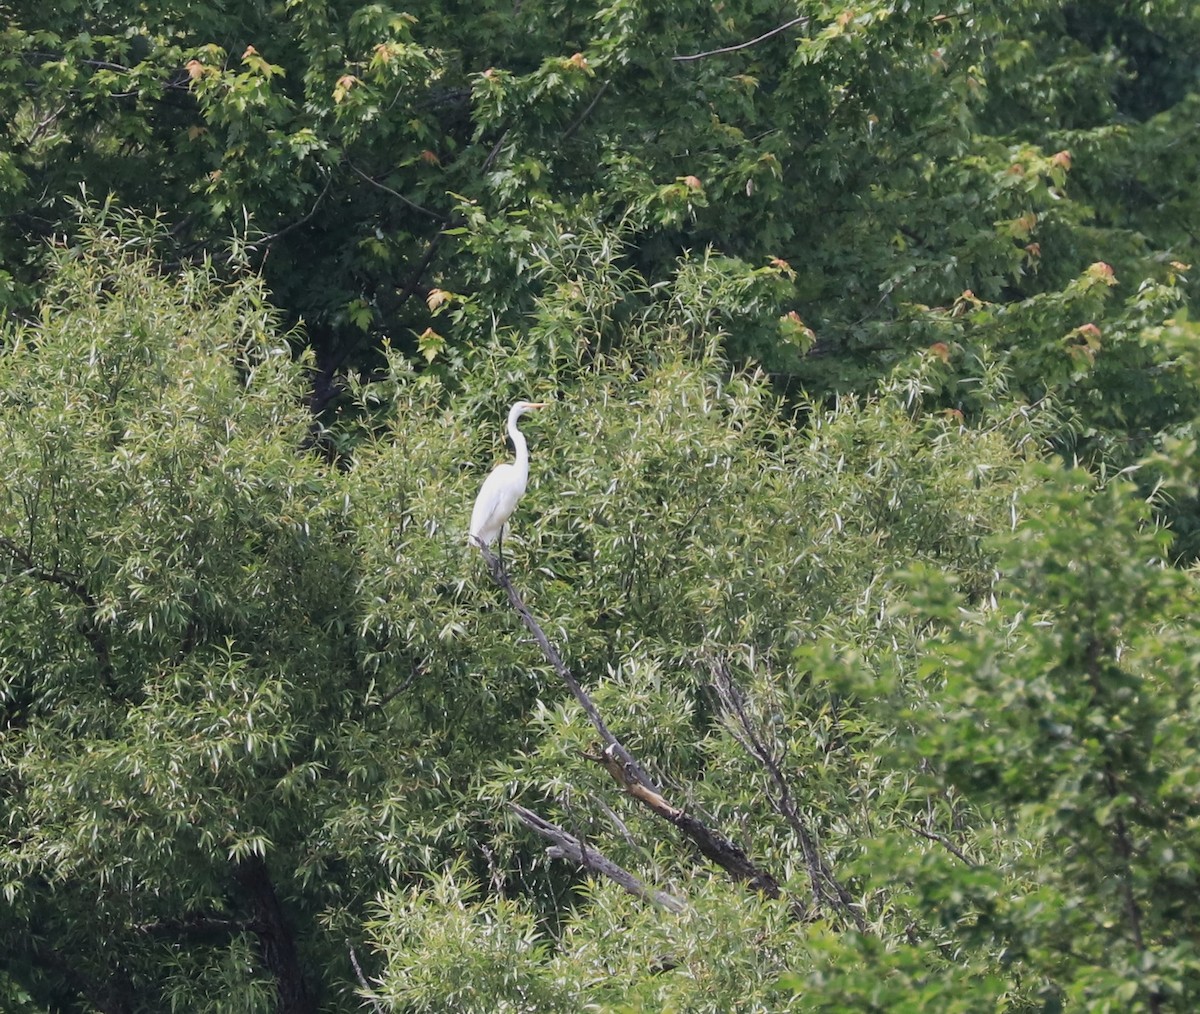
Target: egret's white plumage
column 503, row 487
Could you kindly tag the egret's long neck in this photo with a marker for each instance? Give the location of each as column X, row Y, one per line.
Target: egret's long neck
column 518, row 439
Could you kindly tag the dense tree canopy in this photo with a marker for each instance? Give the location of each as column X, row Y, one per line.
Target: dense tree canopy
column 388, row 167
column 844, row 653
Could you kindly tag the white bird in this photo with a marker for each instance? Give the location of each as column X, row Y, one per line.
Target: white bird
column 504, row 486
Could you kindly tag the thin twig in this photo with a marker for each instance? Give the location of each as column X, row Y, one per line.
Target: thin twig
column 942, row 840
column 745, row 45
column 198, row 925
column 415, row 278
column 487, row 162
column 267, row 240
column 1122, row 840
column 42, row 125
column 495, row 874
column 584, row 115
column 621, row 825
column 395, row 193
column 97, row 64
column 405, row 683
column 827, row 891
column 53, row 575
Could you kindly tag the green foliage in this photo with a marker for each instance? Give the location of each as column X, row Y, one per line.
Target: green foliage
column 264, row 713
column 446, row 952
column 174, row 573
column 1048, row 733
column 888, row 158
column 1070, row 709
column 219, row 650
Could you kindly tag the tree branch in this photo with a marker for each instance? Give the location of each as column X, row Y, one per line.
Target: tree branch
column 276, row 942
column 415, row 278
column 827, row 892
column 87, row 625
column 211, row 928
column 362, row 981
column 395, row 193
column 942, row 840
column 418, row 273
column 271, row 237
column 626, row 771
column 43, row 125
column 586, row 113
column 621, row 755
column 567, row 846
column 745, row 45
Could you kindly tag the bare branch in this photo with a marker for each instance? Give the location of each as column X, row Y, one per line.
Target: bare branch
column 198, row 925
column 587, row 112
column 96, row 64
column 942, row 840
column 269, row 239
column 324, row 387
column 746, row 45
column 53, row 575
column 419, row 272
column 395, row 193
column 567, row 846
column 414, row 671
column 487, row 162
column 362, row 981
column 495, row 874
column 620, row 824
column 1122, row 841
column 43, row 125
column 828, row 893
column 627, row 772
column 555, row 659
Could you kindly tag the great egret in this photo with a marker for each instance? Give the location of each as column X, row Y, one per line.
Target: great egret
column 504, row 486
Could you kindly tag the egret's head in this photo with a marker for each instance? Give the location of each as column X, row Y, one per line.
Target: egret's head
column 521, row 407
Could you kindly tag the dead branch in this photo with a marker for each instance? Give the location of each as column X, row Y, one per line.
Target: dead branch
column 827, row 891
column 500, row 576
column 713, row 845
column 621, row 826
column 567, row 846
column 624, row 768
column 362, row 981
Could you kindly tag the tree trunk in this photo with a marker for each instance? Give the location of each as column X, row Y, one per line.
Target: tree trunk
column 275, row 940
